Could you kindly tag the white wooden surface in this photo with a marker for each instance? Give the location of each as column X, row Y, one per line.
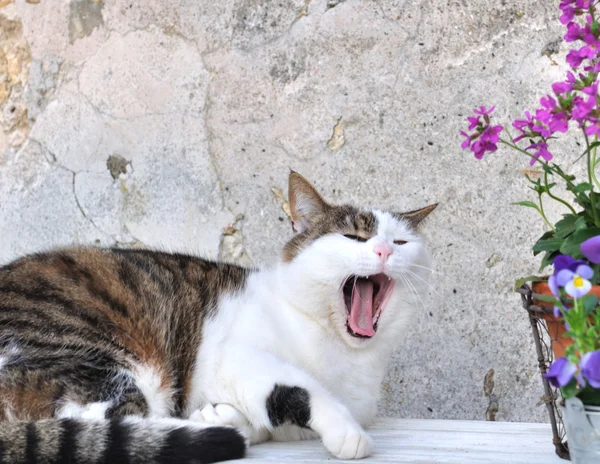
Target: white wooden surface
column 430, row 441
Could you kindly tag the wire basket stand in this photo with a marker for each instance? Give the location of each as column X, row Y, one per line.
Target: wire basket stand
column 543, row 345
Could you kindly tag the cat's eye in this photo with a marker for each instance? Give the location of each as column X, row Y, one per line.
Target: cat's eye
column 400, row 242
column 355, row 237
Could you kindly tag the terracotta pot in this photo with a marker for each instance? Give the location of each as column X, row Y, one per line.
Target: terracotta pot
column 556, row 328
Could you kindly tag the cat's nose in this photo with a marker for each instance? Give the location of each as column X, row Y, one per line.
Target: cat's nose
column 384, row 250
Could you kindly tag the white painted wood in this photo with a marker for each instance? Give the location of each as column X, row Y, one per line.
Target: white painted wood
column 432, row 442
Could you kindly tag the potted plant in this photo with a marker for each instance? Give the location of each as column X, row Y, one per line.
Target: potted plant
column 577, row 373
column 572, row 244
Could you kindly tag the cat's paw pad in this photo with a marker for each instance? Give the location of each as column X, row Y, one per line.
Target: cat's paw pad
column 348, row 441
column 224, row 415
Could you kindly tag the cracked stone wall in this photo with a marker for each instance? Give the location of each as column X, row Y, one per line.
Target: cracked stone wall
column 173, row 123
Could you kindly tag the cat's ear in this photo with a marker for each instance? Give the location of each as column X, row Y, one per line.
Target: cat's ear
column 415, row 217
column 306, row 204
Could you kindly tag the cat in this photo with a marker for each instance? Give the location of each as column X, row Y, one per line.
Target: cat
column 140, row 356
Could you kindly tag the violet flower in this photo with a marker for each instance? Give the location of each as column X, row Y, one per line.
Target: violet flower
column 576, row 283
column 560, row 88
column 483, row 112
column 593, row 128
column 557, row 312
column 582, row 108
column 485, row 137
column 591, row 249
column 590, row 368
column 574, row 59
column 480, row 147
column 561, row 372
column 566, row 262
column 473, row 122
column 467, row 142
column 541, row 151
column 574, row 32
column 561, row 263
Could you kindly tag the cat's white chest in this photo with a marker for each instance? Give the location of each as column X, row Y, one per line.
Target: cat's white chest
column 350, row 377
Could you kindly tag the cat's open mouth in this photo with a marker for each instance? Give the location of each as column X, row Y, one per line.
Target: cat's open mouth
column 365, row 299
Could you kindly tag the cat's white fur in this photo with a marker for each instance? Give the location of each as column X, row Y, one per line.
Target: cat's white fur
column 288, row 327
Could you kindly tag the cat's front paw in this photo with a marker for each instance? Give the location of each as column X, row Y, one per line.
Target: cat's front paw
column 347, row 440
column 224, row 414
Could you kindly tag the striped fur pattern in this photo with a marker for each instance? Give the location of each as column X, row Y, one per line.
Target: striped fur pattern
column 80, row 326
column 131, row 441
column 111, row 355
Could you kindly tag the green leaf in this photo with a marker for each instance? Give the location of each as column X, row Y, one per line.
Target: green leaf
column 566, row 226
column 529, row 204
column 572, row 243
column 590, row 396
column 551, row 244
column 581, row 223
column 546, row 298
column 590, row 302
column 523, row 280
column 583, row 187
column 569, row 390
column 548, row 259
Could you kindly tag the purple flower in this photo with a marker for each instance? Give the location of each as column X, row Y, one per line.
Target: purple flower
column 593, row 128
column 559, row 122
column 560, row 88
column 557, row 312
column 574, row 32
column 522, row 124
column 480, row 147
column 566, row 262
column 548, row 102
column 590, row 50
column 574, row 59
column 591, row 90
column 553, row 286
column 561, row 372
column 568, row 14
column 467, row 142
column 576, row 283
column 483, row 112
column 486, row 136
column 541, row 151
column 473, row 122
column 590, row 368
column 582, row 108
column 591, row 249
column 490, row 134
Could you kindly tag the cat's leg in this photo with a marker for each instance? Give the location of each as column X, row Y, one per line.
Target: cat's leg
column 270, row 393
column 224, row 414
column 131, row 403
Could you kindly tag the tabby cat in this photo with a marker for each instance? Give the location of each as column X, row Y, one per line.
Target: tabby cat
column 139, row 356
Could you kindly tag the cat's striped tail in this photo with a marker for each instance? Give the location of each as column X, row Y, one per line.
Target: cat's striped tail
column 117, row 441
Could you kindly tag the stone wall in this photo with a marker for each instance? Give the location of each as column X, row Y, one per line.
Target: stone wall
column 173, row 123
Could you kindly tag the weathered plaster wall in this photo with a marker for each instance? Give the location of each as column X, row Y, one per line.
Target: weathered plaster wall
column 173, row 123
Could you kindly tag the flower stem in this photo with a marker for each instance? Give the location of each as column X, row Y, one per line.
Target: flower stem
column 515, row 147
column 543, row 163
column 543, row 214
column 554, row 197
column 590, row 177
column 594, row 161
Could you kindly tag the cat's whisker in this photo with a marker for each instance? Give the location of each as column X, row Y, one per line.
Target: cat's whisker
column 430, row 287
column 413, row 290
column 422, row 267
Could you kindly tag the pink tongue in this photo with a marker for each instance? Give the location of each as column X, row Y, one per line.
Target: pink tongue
column 361, row 312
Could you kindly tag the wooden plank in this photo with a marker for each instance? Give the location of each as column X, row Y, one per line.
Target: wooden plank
column 432, row 442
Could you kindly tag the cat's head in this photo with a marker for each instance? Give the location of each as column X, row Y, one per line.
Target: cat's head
column 364, row 270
